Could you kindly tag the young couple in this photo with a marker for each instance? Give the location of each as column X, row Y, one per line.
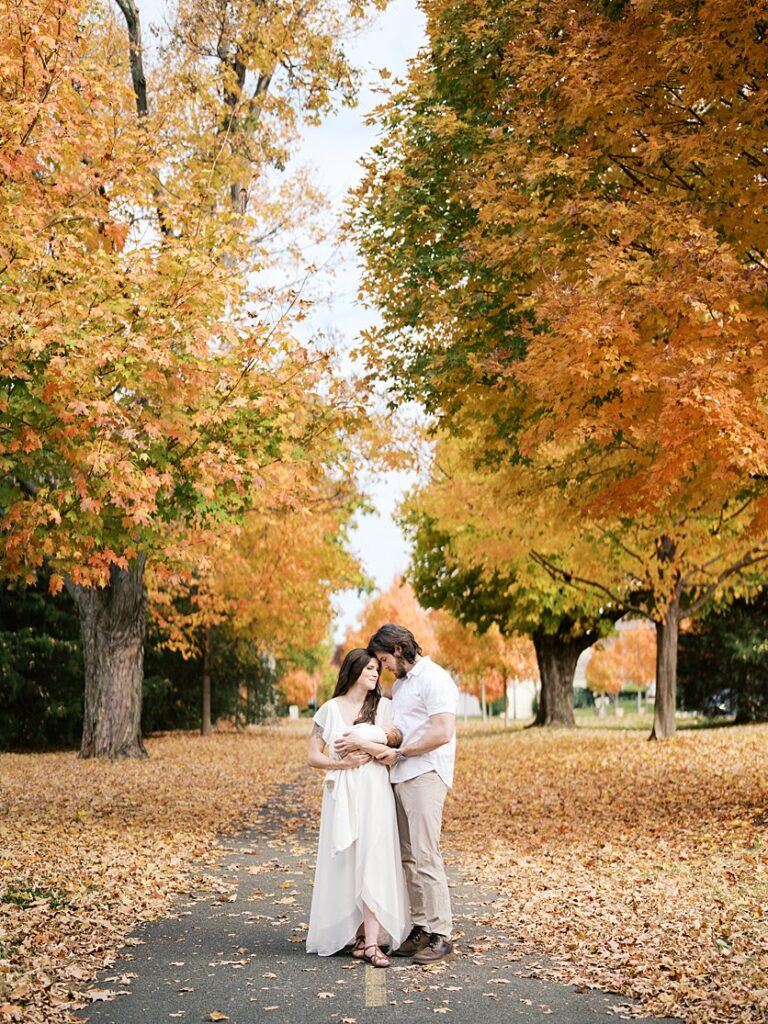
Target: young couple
column 389, row 765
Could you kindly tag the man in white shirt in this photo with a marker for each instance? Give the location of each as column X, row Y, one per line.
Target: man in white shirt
column 424, row 700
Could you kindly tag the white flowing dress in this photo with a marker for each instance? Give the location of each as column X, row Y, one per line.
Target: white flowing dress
column 358, row 856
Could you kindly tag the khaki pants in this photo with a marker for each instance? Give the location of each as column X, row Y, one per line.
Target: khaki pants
column 419, row 804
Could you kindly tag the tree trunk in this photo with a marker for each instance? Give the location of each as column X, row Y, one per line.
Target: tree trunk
column 556, row 656
column 482, row 700
column 206, row 728
column 113, row 623
column 666, row 672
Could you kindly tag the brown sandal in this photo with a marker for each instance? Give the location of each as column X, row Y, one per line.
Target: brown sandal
column 358, row 950
column 376, row 959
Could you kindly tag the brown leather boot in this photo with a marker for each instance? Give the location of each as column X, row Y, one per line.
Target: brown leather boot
column 417, row 940
column 438, row 947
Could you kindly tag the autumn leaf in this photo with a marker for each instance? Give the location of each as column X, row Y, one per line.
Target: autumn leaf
column 97, row 892
column 55, row 583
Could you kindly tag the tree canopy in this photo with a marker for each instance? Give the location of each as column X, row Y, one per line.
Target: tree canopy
column 563, row 226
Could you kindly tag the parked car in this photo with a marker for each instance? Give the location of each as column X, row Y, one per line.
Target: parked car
column 721, row 702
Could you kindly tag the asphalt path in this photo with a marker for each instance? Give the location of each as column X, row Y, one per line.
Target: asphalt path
column 233, row 949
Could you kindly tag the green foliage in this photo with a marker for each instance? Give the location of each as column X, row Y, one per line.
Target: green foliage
column 41, row 669
column 416, row 217
column 25, row 896
column 728, row 651
column 242, row 684
column 41, row 676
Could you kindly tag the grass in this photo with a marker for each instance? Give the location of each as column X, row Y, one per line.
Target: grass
column 587, row 718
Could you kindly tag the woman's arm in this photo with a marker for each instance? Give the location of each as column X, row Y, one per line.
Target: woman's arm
column 317, row 759
column 350, row 741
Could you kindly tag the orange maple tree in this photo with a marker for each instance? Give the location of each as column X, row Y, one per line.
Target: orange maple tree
column 478, row 660
column 298, row 687
column 563, row 227
column 397, row 604
column 629, row 659
column 271, row 579
column 152, row 380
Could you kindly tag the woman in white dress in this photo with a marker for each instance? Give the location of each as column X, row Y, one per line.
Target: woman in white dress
column 359, row 884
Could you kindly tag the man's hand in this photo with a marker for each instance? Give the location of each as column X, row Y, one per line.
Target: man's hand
column 355, row 759
column 388, row 757
column 346, row 744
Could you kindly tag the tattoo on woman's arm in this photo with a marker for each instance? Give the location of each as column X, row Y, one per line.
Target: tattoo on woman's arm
column 317, row 730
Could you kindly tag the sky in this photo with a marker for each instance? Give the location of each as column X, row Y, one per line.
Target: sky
column 333, row 150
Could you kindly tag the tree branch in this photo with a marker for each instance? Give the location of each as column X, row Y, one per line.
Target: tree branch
column 751, row 558
column 133, row 21
column 573, row 581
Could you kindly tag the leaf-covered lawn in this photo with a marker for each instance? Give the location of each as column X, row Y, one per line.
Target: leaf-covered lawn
column 640, row 867
column 88, row 849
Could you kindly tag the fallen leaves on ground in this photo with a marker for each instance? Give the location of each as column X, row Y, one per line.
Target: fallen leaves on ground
column 639, row 867
column 88, row 849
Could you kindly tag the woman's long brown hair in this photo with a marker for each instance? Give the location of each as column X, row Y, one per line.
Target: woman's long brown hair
column 350, row 671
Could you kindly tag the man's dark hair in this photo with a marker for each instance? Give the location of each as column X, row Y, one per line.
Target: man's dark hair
column 386, row 638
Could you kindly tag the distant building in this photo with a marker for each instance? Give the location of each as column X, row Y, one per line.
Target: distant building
column 521, row 695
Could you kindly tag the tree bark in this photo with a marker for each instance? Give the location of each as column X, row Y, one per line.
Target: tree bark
column 667, row 631
column 136, row 54
column 206, row 727
column 556, row 656
column 483, row 705
column 113, row 623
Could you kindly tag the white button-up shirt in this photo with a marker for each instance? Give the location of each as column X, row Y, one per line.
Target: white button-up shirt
column 427, row 690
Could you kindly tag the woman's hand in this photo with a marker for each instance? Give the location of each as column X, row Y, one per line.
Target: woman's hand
column 354, row 760
column 348, row 743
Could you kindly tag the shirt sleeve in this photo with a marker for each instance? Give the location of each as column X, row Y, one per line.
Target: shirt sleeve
column 384, row 713
column 441, row 695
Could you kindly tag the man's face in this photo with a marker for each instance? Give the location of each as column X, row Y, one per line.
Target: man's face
column 396, row 663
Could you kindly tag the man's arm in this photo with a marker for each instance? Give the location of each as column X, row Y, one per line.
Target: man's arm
column 439, row 732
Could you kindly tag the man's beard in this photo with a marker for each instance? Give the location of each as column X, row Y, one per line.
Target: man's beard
column 402, row 671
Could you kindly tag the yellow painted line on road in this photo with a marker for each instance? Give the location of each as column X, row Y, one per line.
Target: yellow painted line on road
column 375, row 986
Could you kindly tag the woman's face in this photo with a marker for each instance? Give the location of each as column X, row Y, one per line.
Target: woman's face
column 370, row 674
